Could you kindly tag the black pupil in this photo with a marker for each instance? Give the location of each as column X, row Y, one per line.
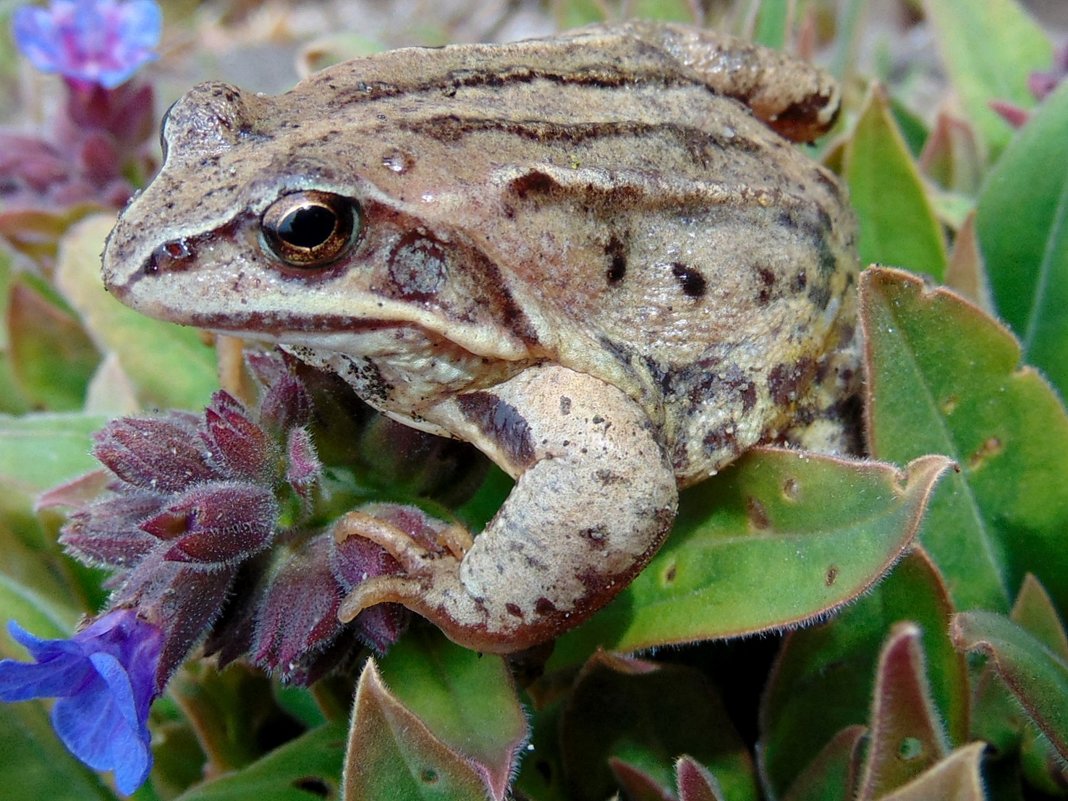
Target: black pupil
column 308, row 226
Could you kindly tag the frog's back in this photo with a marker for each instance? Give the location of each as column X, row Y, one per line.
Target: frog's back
column 655, row 233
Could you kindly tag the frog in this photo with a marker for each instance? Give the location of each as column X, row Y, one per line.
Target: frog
column 602, row 257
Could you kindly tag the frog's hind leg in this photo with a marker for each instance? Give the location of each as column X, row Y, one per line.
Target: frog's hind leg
column 595, row 496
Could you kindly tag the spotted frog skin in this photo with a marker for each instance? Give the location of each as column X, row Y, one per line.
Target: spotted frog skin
column 596, row 256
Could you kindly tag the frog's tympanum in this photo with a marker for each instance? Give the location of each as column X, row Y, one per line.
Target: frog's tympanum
column 597, row 257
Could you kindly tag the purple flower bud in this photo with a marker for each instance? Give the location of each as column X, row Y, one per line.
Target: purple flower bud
column 127, row 114
column 109, row 531
column 356, row 560
column 89, row 41
column 242, row 446
column 297, row 616
column 303, row 468
column 1042, row 84
column 183, row 599
column 216, row 523
column 162, row 454
column 105, row 680
column 286, row 402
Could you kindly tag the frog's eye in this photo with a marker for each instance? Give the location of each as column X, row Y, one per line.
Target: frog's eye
column 163, row 129
column 310, row 229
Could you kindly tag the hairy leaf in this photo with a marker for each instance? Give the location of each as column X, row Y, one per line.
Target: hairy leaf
column 392, row 754
column 304, row 769
column 696, row 783
column 943, row 377
column 1022, row 225
column 834, row 772
column 897, row 222
column 467, row 700
column 779, row 538
column 824, row 677
column 646, row 716
column 1035, row 675
column 955, row 778
column 907, row 735
column 51, row 356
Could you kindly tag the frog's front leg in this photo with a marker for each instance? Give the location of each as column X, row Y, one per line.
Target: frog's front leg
column 595, row 496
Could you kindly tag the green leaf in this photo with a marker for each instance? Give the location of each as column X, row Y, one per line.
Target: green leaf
column 945, row 378
column 989, row 49
column 772, row 23
column 466, row 700
column 170, row 366
column 646, row 716
column 51, row 356
column 780, row 537
column 997, row 718
column 42, row 450
column 541, row 773
column 1034, row 610
column 304, row 769
column 35, row 763
column 11, row 400
column 232, row 711
column 1022, row 225
column 824, row 677
column 392, row 754
column 907, row 736
column 1035, row 676
column 897, row 221
column 37, row 613
column 955, row 778
column 911, row 127
column 833, row 773
column 37, row 452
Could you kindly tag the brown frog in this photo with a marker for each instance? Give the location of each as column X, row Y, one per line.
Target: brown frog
column 589, row 255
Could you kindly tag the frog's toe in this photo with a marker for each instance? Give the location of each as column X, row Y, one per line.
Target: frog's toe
column 380, row 590
column 429, row 553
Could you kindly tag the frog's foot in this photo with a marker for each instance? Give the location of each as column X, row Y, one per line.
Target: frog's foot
column 429, row 553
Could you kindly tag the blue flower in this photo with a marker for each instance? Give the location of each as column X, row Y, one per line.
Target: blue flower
column 105, row 680
column 89, row 41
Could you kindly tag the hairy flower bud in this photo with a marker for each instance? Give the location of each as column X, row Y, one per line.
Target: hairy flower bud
column 242, row 447
column 216, row 523
column 297, row 615
column 163, row 454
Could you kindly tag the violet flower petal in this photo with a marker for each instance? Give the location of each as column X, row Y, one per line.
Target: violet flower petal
column 104, row 677
column 92, row 41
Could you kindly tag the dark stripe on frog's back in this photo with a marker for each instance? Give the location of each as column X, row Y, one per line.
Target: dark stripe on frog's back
column 491, row 89
column 614, row 96
column 623, row 62
column 698, row 144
